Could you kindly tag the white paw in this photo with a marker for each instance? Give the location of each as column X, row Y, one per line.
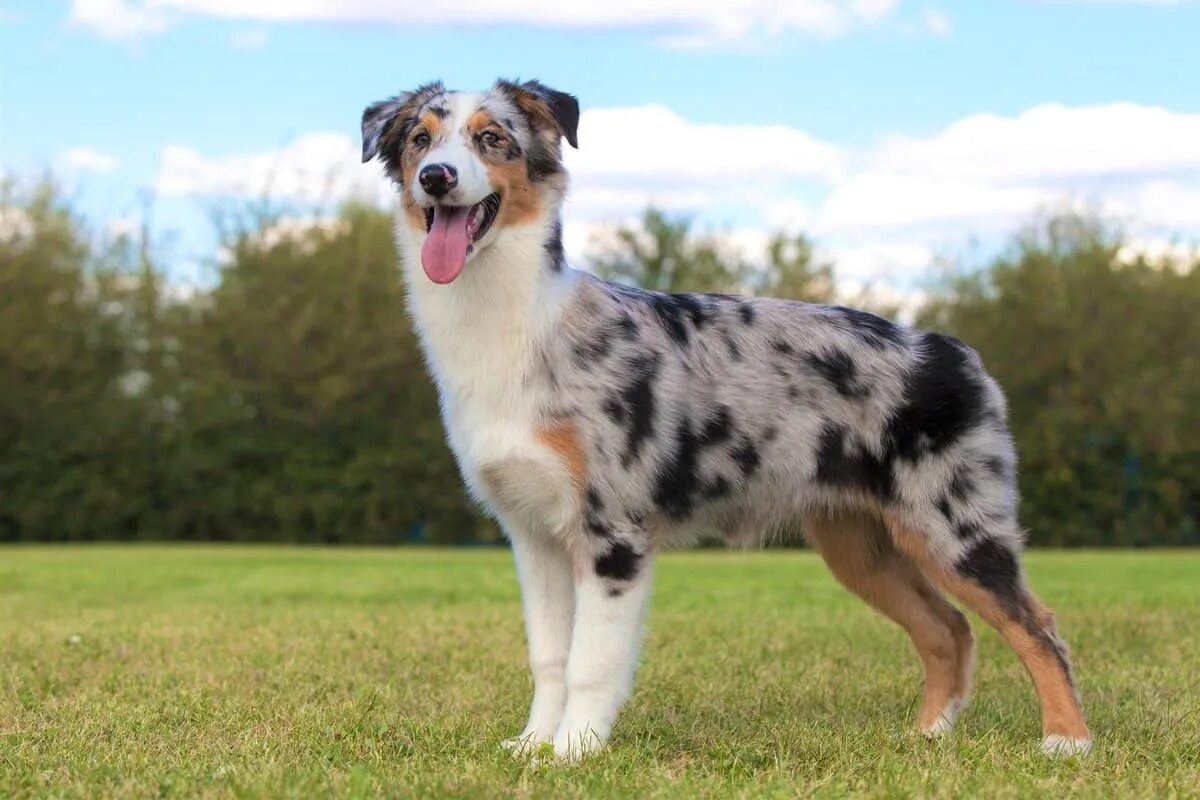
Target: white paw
column 944, row 724
column 526, row 745
column 575, row 742
column 1065, row 746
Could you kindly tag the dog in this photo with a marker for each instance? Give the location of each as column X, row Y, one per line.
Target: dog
column 600, row 423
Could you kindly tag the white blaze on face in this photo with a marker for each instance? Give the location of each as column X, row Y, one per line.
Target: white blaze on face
column 457, row 151
column 457, row 215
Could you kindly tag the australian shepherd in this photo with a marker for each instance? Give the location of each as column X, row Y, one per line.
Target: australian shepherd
column 601, row 423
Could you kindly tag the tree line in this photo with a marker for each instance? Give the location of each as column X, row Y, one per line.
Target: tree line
column 289, row 401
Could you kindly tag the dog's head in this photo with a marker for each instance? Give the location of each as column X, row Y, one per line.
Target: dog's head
column 468, row 166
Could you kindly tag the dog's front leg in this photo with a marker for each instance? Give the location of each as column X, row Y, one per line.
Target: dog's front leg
column 547, row 594
column 604, row 648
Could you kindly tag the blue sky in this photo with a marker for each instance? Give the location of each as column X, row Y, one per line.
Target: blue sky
column 890, row 129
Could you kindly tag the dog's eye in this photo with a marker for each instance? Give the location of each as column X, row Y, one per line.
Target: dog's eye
column 490, row 138
column 421, row 139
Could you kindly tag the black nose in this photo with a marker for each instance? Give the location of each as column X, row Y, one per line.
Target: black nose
column 438, row 179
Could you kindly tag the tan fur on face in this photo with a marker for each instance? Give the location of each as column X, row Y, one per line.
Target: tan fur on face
column 410, row 157
column 520, row 200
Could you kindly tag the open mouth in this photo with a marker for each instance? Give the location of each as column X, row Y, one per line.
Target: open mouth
column 453, row 232
column 479, row 220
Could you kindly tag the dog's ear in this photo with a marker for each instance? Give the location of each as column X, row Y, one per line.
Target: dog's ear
column 543, row 104
column 377, row 120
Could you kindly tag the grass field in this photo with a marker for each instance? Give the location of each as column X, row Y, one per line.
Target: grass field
column 256, row 672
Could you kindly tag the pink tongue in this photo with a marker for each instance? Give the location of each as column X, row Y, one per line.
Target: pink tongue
column 445, row 249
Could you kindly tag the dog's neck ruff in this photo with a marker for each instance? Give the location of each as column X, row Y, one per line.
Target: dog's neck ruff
column 480, row 333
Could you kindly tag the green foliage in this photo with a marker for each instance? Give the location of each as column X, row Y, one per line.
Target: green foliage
column 1101, row 364
column 290, row 401
column 665, row 255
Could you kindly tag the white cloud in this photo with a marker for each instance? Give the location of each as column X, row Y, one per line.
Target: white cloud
column 248, row 40
column 986, row 171
column 118, row 20
column 935, row 22
column 708, row 21
column 1167, row 203
column 877, row 260
column 630, row 158
column 877, row 212
column 84, row 159
column 1160, row 252
column 888, row 200
column 1053, row 142
column 654, row 145
column 314, row 168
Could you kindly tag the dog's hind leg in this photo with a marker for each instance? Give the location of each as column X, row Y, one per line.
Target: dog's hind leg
column 859, row 552
column 986, row 576
column 548, row 598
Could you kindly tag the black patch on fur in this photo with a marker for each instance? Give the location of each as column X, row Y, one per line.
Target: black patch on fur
column 781, row 346
column 746, row 311
column 717, row 428
column 869, row 328
column 627, row 325
column 589, row 353
column 996, row 466
column 837, row 465
column 614, row 410
column 620, row 563
column 563, row 107
column 674, row 311
column 943, row 399
column 994, row 567
column 746, row 456
column 717, row 488
column 966, row 530
column 679, row 477
column 961, row 485
column 838, row 369
column 554, row 247
column 636, row 403
column 592, row 511
column 542, row 163
column 592, row 498
column 943, row 507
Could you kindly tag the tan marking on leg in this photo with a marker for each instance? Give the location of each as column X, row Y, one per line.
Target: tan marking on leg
column 860, row 555
column 1029, row 632
column 563, row 439
column 960, row 629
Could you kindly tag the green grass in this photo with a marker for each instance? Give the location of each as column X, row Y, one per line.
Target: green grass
column 272, row 672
